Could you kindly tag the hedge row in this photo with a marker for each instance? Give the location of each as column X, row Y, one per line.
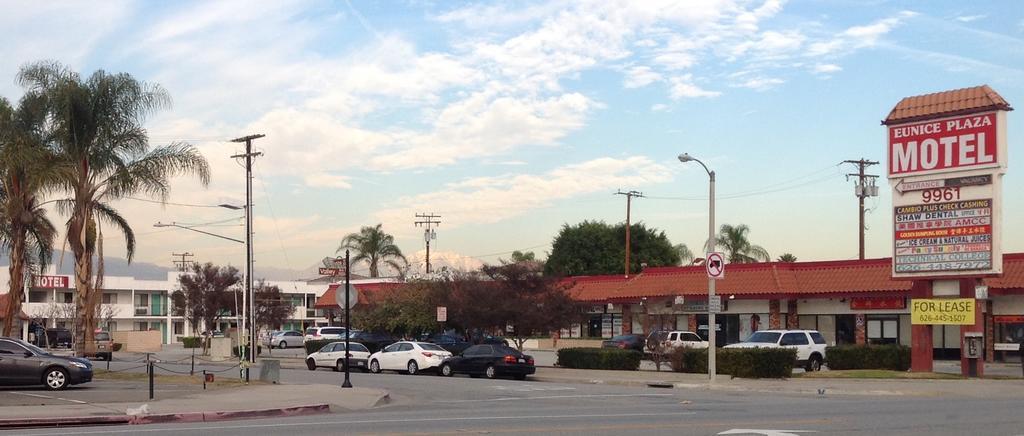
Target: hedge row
column 599, row 358
column 315, row 345
column 894, row 357
column 743, row 362
column 191, row 341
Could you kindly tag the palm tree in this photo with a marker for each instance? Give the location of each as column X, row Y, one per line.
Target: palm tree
column 374, row 246
column 24, row 171
column 686, row 256
column 738, row 249
column 787, row 257
column 103, row 155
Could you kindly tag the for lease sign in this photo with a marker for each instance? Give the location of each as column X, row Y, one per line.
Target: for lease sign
column 949, row 144
column 951, row 311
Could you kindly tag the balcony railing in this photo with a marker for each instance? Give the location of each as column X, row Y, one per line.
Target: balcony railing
column 141, row 310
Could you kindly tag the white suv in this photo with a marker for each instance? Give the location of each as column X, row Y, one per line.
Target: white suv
column 809, row 345
column 675, row 339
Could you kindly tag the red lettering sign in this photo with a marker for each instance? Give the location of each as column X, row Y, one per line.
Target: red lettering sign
column 1008, row 319
column 868, row 303
column 51, row 281
column 927, row 146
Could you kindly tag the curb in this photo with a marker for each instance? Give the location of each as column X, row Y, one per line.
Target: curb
column 7, row 424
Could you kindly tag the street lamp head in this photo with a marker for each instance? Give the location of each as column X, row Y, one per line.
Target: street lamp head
column 160, row 225
column 685, row 157
column 231, row 206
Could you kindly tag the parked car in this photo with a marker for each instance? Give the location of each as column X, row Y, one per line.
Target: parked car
column 679, row 338
column 104, row 346
column 625, row 342
column 319, row 333
column 452, row 343
column 374, row 341
column 58, row 337
column 493, row 340
column 411, row 357
column 22, row 363
column 284, row 339
column 332, row 356
column 490, row 361
column 809, row 345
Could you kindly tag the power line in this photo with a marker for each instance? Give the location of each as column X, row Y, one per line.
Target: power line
column 166, row 203
column 764, row 189
column 629, row 201
column 865, row 187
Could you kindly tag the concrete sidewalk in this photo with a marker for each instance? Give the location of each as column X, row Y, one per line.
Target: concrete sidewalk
column 230, row 403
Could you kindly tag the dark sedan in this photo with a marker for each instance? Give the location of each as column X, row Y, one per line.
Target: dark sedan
column 625, row 342
column 490, row 361
column 372, row 340
column 22, row 363
column 451, row 343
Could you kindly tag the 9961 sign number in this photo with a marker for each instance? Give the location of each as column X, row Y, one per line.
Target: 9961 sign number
column 940, row 194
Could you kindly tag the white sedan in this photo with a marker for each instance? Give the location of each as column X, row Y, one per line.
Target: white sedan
column 411, row 357
column 332, row 356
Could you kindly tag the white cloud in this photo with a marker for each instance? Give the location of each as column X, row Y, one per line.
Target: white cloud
column 857, row 37
column 683, row 87
column 638, row 77
column 826, row 68
column 485, row 200
column 969, row 18
column 760, row 83
column 660, row 107
column 325, row 180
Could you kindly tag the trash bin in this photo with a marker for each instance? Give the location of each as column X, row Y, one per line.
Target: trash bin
column 270, row 371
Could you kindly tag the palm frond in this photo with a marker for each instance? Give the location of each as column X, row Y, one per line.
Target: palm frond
column 109, row 215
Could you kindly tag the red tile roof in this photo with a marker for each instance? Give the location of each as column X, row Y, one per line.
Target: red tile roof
column 945, row 104
column 4, row 301
column 773, row 279
column 367, row 293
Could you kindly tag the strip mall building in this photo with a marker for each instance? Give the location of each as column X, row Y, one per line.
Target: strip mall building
column 850, row 302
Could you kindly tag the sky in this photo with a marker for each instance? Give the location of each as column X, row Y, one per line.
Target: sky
column 512, row 119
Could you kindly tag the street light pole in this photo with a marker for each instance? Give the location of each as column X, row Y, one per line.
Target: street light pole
column 712, row 342
column 348, row 327
column 248, row 325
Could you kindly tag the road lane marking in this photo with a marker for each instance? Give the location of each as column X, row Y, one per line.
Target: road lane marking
column 365, row 421
column 49, row 397
column 559, row 397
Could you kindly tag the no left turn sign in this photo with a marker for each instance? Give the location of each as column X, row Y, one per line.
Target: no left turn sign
column 715, row 265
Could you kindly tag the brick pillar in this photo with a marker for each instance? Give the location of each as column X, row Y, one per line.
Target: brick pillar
column 627, row 320
column 860, row 329
column 967, row 291
column 921, row 345
column 990, row 333
column 691, row 322
column 555, row 335
column 773, row 314
column 792, row 320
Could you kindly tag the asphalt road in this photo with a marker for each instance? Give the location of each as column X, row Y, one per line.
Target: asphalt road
column 427, row 404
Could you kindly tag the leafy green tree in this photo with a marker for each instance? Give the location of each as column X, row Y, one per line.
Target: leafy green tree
column 374, row 247
column 103, row 152
column 787, row 257
column 735, row 242
column 272, row 308
column 25, row 174
column 594, row 247
column 408, row 310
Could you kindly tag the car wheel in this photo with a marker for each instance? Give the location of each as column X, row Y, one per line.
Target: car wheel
column 339, row 366
column 520, row 376
column 282, row 345
column 375, row 366
column 446, row 371
column 490, row 372
column 311, row 364
column 412, row 368
column 814, row 364
column 55, row 379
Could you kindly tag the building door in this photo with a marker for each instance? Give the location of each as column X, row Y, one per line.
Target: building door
column 846, row 329
column 594, row 328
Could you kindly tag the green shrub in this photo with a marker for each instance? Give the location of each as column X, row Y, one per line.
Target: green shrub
column 599, row 358
column 740, row 362
column 894, row 357
column 191, row 341
column 314, row 346
column 245, row 351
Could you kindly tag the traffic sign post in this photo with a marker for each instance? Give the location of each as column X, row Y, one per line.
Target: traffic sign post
column 715, row 304
column 715, row 265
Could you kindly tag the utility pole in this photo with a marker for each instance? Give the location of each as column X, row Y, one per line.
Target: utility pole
column 247, row 297
column 866, row 187
column 427, row 220
column 629, row 201
column 182, row 264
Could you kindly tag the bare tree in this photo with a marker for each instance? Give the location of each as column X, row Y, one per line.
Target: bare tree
column 207, row 294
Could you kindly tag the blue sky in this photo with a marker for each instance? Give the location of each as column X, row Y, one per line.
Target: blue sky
column 511, row 119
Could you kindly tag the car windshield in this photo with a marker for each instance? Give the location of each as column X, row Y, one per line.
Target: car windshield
column 103, row 336
column 764, row 337
column 431, row 347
